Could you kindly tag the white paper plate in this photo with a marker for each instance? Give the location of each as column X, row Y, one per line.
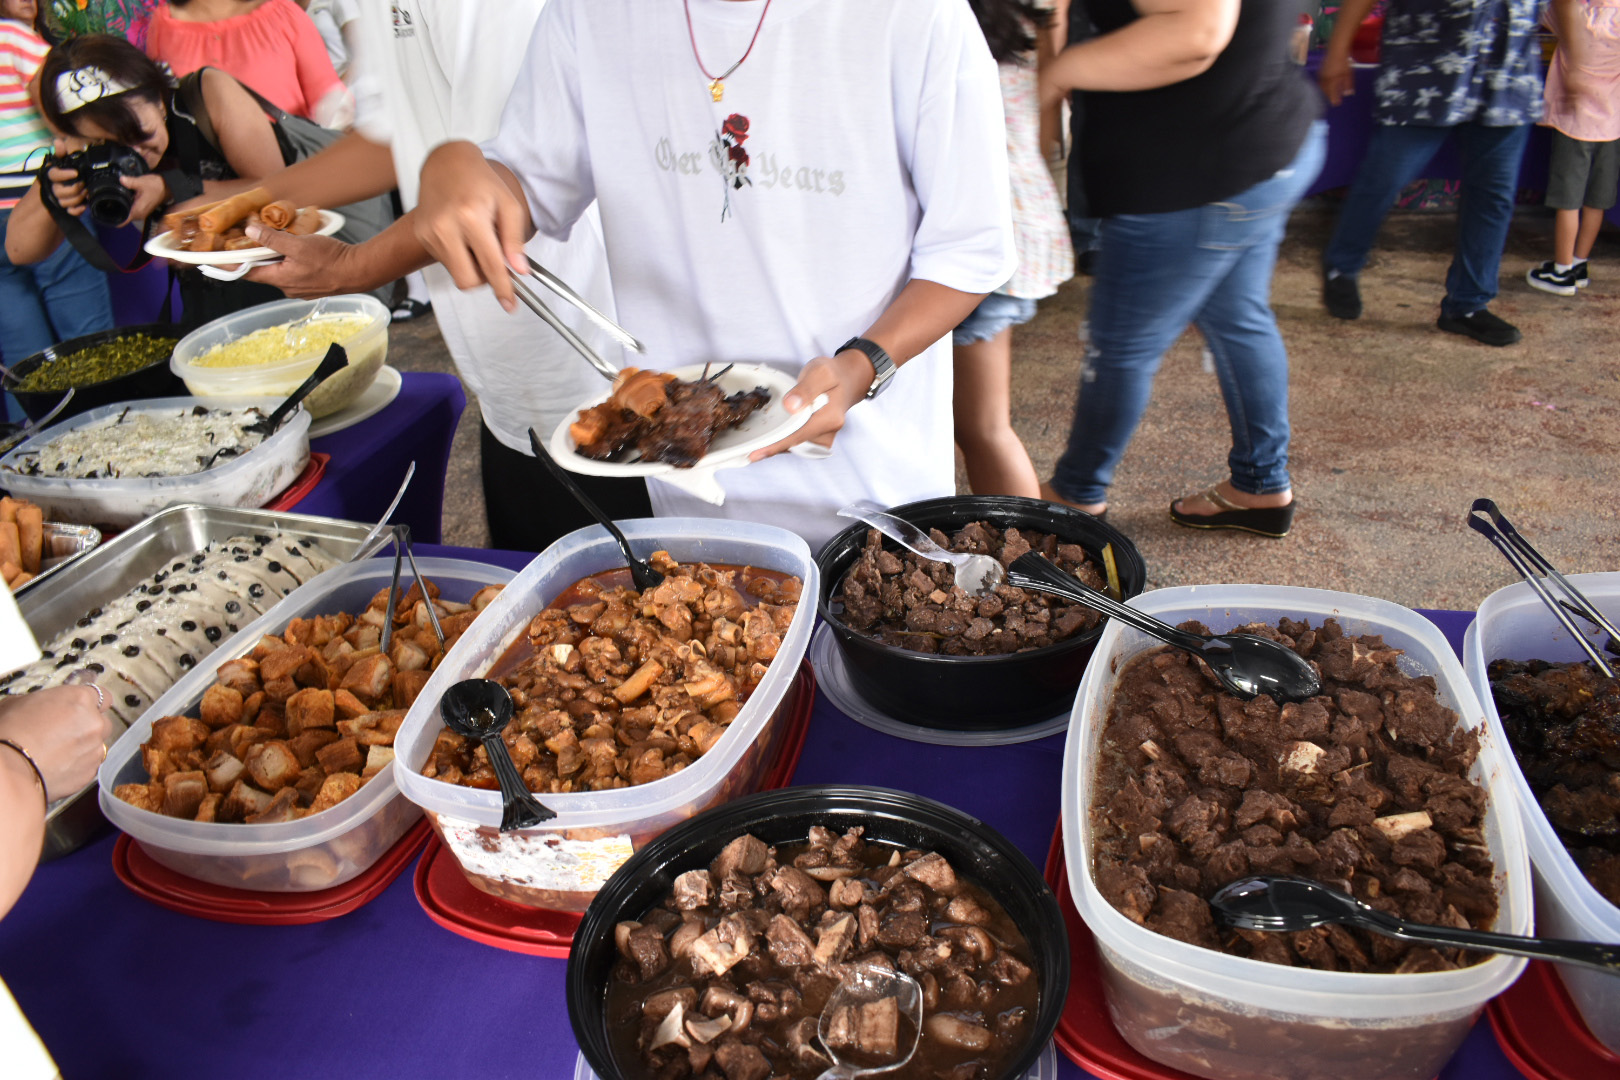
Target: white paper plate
column 383, row 390
column 730, row 449
column 162, row 247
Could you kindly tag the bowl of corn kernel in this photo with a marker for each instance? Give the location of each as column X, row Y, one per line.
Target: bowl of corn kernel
column 266, row 351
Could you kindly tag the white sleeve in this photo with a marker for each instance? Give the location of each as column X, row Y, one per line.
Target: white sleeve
column 542, row 134
column 372, row 117
column 957, row 153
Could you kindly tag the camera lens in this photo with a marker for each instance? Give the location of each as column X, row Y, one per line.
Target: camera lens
column 110, row 206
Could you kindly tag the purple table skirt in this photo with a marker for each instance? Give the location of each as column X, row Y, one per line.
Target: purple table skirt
column 119, row 987
column 370, row 458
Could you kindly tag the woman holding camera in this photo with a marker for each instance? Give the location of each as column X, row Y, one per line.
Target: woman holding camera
column 130, row 135
column 63, row 296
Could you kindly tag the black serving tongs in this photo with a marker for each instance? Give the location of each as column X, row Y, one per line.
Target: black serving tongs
column 1485, row 519
column 560, row 287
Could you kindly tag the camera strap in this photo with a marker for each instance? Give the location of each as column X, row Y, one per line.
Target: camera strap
column 85, row 242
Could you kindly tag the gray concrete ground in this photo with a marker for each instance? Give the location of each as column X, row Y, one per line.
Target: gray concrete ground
column 1397, row 426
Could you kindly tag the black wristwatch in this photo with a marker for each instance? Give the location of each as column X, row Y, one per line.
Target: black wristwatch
column 883, row 368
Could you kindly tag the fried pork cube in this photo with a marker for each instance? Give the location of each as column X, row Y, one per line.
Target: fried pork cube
column 222, row 771
column 251, row 706
column 347, row 706
column 368, row 679
column 272, row 718
column 208, row 809
column 156, row 762
column 142, row 796
column 315, row 672
column 221, row 706
column 178, row 734
column 334, row 789
column 341, row 756
column 311, row 708
column 282, row 807
column 306, row 744
column 309, row 784
column 283, row 663
column 241, row 675
column 377, row 758
column 242, row 801
column 407, row 685
column 485, row 596
column 272, row 764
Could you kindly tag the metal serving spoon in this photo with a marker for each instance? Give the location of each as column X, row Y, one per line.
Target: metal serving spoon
column 975, row 574
column 641, row 571
column 1485, row 519
column 1245, row 664
column 335, row 360
column 1284, row 904
column 31, row 429
column 480, row 709
column 866, row 985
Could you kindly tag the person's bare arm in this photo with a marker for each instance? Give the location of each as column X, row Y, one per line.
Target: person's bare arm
column 246, row 137
column 922, row 313
column 31, row 235
column 321, row 266
column 1567, row 18
column 1173, row 41
column 1049, row 44
column 350, row 170
column 1334, row 76
column 63, row 731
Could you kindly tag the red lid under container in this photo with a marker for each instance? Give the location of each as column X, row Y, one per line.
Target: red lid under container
column 457, row 905
column 1542, row 1033
column 152, row 881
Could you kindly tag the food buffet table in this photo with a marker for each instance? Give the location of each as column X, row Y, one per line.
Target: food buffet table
column 120, row 987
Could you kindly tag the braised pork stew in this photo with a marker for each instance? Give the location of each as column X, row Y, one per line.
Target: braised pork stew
column 909, row 602
column 726, row 977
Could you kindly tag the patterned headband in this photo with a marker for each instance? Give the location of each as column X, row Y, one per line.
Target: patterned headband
column 80, row 87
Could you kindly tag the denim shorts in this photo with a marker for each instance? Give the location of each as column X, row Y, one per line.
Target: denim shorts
column 994, row 314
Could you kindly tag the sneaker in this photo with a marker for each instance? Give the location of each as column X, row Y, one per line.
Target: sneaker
column 408, row 310
column 1482, row 326
column 1547, row 278
column 1582, row 279
column 1341, row 296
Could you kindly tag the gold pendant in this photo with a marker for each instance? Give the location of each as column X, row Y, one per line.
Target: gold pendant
column 716, row 90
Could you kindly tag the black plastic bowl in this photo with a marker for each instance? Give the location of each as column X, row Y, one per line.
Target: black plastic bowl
column 973, row 693
column 152, row 381
column 975, row 850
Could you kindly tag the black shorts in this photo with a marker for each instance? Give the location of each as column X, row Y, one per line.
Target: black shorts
column 1582, row 173
column 529, row 509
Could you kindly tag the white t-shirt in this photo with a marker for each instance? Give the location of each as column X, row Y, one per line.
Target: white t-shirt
column 876, row 153
column 435, row 70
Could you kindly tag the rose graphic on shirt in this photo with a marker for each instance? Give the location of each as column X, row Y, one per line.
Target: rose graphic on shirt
column 728, row 157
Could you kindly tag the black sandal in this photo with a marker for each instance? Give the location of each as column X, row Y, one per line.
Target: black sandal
column 1272, row 521
column 408, row 310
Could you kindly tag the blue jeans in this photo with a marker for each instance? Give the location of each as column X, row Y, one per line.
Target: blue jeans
column 1210, row 266
column 59, row 298
column 1395, row 157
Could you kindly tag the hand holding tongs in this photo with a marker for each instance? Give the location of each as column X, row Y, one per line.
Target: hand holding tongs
column 560, row 287
column 1528, row 562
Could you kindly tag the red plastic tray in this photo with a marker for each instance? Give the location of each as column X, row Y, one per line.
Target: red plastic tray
column 1085, row 1034
column 455, row 904
column 1540, row 1031
column 166, row 888
column 302, row 484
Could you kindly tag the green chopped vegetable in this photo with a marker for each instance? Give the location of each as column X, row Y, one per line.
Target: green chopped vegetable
column 98, row 363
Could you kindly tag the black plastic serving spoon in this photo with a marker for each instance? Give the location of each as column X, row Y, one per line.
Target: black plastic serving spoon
column 335, row 360
column 641, row 571
column 480, row 709
column 1245, row 664
column 1285, row 904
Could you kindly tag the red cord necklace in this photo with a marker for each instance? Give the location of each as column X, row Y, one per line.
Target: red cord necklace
column 716, row 88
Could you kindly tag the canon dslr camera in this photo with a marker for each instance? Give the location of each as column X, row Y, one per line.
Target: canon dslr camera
column 100, row 166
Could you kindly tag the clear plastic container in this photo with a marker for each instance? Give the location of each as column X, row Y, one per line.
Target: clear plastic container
column 316, row 852
column 1045, row 1067
column 560, row 865
column 247, row 481
column 1231, row 1016
column 367, row 350
column 1513, row 624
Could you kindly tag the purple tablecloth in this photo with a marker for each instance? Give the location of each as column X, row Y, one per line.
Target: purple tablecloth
column 370, row 458
column 119, row 987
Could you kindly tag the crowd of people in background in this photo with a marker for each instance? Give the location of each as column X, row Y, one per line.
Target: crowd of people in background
column 1193, row 134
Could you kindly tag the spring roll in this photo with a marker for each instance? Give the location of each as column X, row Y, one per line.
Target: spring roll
column 308, row 221
column 31, row 535
column 239, row 243
column 279, row 214
column 205, row 241
column 233, row 210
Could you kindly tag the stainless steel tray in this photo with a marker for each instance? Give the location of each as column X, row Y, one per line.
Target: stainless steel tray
column 115, row 567
column 64, row 545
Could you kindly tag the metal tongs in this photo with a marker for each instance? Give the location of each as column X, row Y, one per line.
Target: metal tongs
column 560, row 287
column 402, row 549
column 1537, row 571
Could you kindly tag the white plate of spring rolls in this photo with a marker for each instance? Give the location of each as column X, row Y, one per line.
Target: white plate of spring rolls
column 166, row 246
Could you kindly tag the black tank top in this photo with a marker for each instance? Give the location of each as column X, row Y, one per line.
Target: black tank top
column 1204, row 139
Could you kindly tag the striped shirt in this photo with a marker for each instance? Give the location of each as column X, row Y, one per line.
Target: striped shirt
column 23, row 134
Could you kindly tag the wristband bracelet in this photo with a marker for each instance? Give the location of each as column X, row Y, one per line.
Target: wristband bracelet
column 32, row 764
